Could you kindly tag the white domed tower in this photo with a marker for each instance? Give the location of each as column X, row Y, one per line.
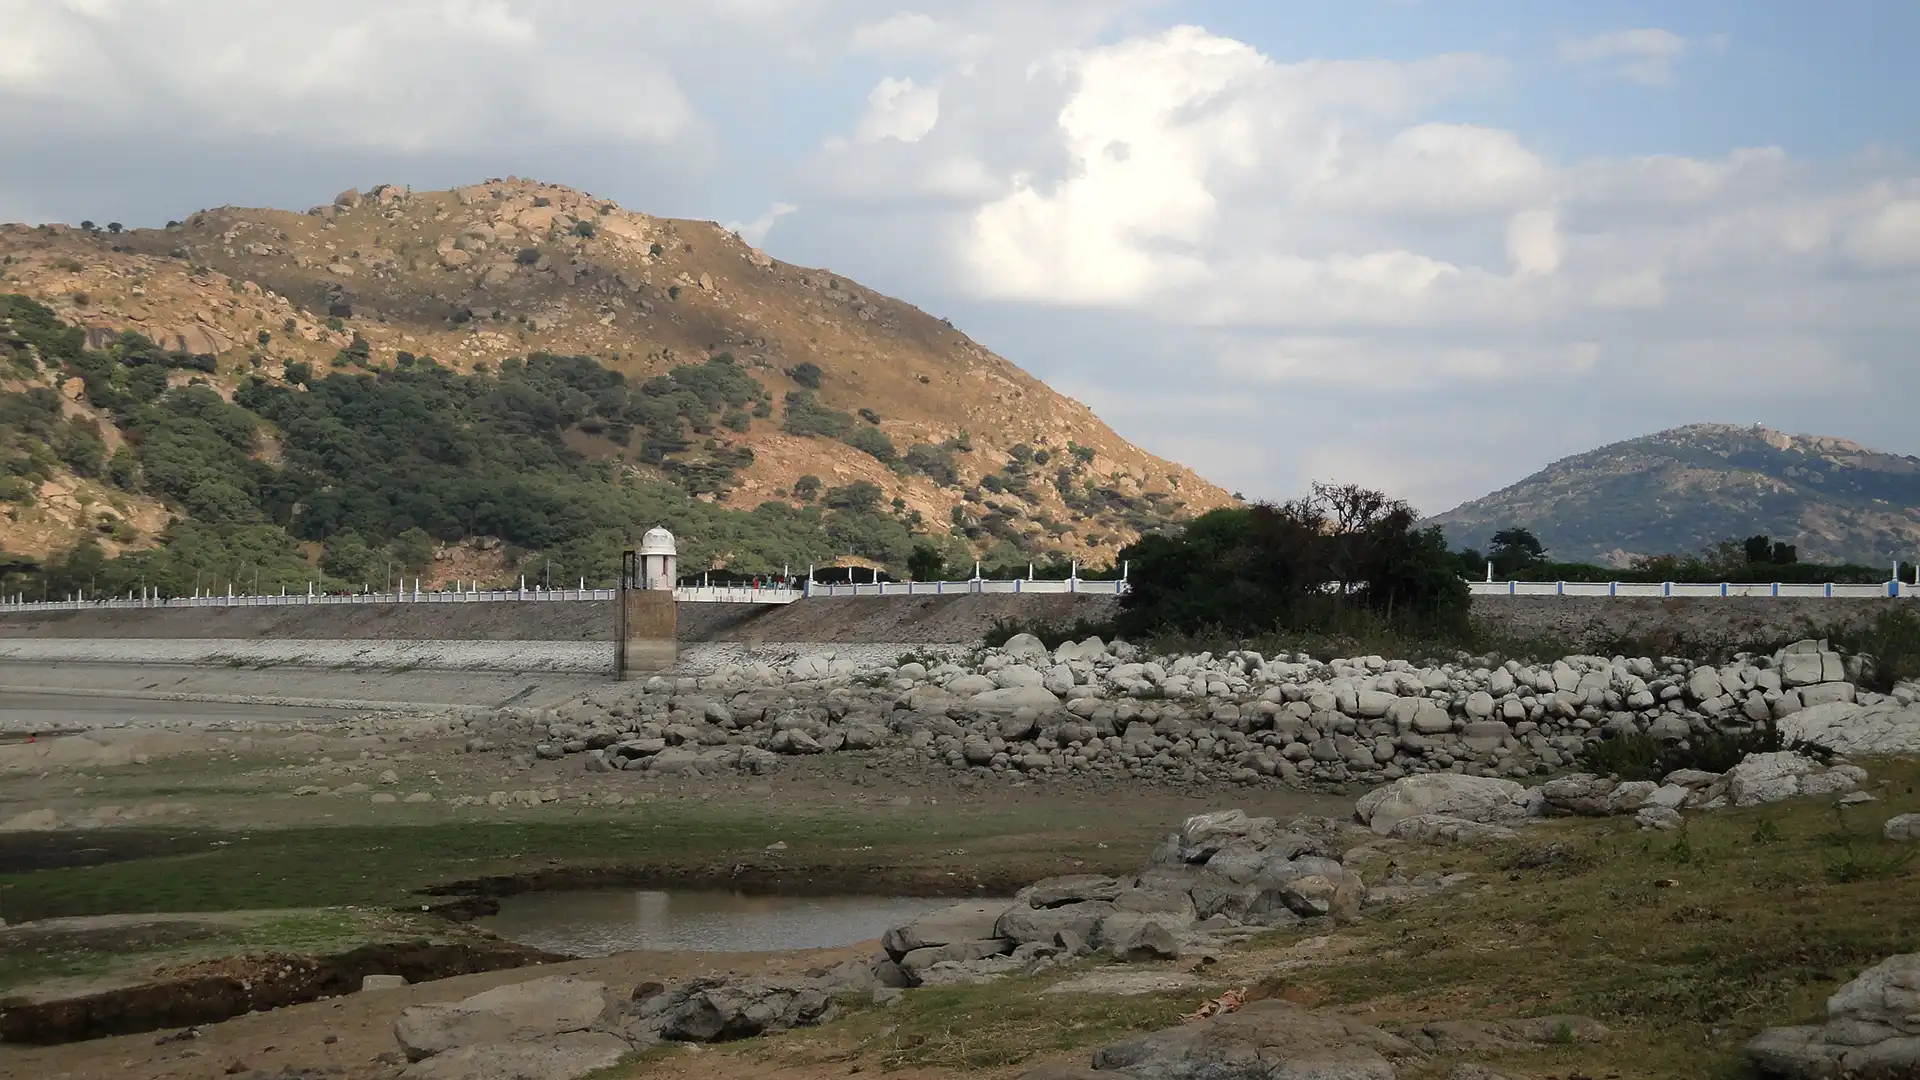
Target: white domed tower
column 659, row 560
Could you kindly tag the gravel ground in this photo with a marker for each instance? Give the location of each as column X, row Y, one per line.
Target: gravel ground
column 565, row 657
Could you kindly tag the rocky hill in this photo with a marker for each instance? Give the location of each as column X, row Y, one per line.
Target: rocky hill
column 1680, row 490
column 746, row 380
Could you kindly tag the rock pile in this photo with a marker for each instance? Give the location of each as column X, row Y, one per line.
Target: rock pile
column 559, row 1028
column 1096, row 710
column 1222, row 876
column 1445, row 807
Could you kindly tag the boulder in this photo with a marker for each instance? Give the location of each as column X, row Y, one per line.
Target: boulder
column 1445, row 828
column 1485, row 736
column 1043, row 925
column 1901, row 828
column 968, row 685
column 958, row 952
column 1577, row 794
column 1070, row 889
column 1131, row 938
column 562, row 1057
column 961, row 922
column 1025, row 648
column 719, row 1010
column 1766, row 778
column 1872, row 1030
column 517, row 1012
column 1882, row 728
column 1204, row 834
column 1484, row 799
column 1266, row 1040
column 1312, row 886
column 1007, row 699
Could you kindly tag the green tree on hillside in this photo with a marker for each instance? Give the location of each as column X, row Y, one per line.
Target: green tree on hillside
column 1514, row 549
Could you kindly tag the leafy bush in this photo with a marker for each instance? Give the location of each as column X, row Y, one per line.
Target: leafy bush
column 935, row 462
column 1642, row 757
column 871, row 441
column 806, row 416
column 806, row 373
column 862, row 496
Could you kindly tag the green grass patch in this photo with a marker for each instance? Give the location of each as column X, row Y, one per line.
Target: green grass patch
column 967, row 1028
column 36, row 956
column 1686, row 942
column 227, row 870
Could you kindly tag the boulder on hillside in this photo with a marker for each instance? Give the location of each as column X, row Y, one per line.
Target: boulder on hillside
column 719, row 1010
column 1785, row 774
column 1872, row 1030
column 1484, row 799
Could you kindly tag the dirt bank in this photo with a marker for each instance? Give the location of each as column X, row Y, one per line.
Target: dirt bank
column 221, row 989
column 850, row 620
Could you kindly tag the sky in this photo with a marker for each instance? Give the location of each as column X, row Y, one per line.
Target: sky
column 1425, row 246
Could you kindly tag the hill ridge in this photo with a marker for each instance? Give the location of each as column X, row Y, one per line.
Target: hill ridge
column 1684, row 488
column 857, row 386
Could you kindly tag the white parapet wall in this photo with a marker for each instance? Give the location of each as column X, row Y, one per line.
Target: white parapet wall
column 721, row 594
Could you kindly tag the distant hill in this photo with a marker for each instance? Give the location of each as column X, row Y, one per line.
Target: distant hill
column 738, row 381
column 1681, row 490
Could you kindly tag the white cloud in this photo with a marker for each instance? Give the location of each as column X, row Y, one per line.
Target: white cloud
column 1533, row 242
column 755, row 232
column 1888, row 236
column 402, row 75
column 1645, row 56
column 915, row 33
column 898, row 109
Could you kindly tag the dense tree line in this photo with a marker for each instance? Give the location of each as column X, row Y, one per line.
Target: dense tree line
column 1516, row 554
column 1309, row 564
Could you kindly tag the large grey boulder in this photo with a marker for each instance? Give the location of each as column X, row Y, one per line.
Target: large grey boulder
column 718, row 1010
column 1266, row 1040
column 1885, row 727
column 918, row 961
column 1872, row 1031
column 1025, row 648
column 1485, row 799
column 1070, row 889
column 1902, row 827
column 1784, row 774
column 1043, row 925
column 1204, row 834
column 561, row 1057
column 517, row 1012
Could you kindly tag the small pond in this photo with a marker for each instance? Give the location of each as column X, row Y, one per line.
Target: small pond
column 599, row 922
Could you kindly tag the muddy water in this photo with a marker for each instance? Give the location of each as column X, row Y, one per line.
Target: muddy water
column 602, row 922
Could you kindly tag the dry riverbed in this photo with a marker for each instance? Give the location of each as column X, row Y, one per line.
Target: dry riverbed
column 1685, row 942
